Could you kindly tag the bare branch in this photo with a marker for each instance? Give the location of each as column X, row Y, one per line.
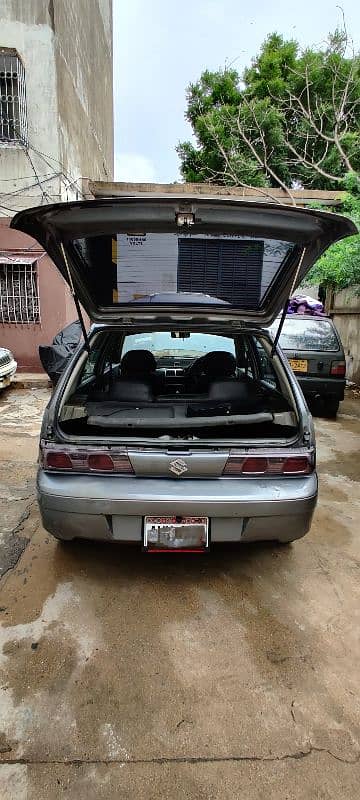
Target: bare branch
column 312, row 164
column 309, row 109
column 266, row 192
column 262, row 161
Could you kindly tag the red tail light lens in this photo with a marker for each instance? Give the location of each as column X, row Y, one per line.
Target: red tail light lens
column 101, row 461
column 254, row 466
column 80, row 460
column 58, row 460
column 338, row 368
column 296, row 465
column 269, row 465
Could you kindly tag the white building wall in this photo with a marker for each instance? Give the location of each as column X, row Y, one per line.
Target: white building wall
column 35, row 46
column 66, row 49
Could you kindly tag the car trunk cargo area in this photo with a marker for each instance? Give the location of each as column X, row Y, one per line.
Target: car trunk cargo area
column 182, row 385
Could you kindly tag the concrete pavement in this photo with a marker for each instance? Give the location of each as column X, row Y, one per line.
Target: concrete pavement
column 235, row 675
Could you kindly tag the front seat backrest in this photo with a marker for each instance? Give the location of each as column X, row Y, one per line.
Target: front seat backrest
column 219, row 364
column 138, row 364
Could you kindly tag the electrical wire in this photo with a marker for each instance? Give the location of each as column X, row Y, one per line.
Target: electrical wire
column 42, row 190
column 26, row 177
column 13, row 210
column 45, row 156
column 30, row 186
column 66, row 175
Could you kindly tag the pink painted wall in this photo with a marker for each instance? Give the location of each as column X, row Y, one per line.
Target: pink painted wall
column 56, row 305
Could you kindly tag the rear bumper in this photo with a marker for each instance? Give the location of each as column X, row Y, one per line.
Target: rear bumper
column 112, row 507
column 328, row 388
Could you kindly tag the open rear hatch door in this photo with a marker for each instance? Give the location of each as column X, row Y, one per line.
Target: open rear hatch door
column 142, row 257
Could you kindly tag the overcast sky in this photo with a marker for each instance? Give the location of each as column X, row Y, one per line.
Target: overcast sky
column 161, row 46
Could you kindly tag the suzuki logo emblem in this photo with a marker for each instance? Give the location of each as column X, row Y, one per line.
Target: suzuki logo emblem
column 178, row 467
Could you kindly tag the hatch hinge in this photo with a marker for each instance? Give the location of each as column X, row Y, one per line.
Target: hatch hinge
column 284, row 311
column 75, row 298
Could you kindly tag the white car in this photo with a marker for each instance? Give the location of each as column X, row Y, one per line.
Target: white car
column 8, row 367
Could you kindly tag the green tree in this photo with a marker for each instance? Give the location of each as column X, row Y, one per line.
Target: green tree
column 293, row 119
column 340, row 265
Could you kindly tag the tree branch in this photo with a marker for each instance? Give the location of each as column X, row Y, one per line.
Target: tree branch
column 232, row 174
column 262, row 161
column 312, row 164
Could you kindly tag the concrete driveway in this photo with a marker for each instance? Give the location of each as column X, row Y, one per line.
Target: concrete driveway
column 235, row 675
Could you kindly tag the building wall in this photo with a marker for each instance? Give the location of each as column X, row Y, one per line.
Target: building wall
column 344, row 308
column 56, row 304
column 83, row 53
column 33, row 39
column 66, row 49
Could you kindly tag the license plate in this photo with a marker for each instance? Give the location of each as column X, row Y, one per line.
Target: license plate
column 178, row 534
column 298, row 364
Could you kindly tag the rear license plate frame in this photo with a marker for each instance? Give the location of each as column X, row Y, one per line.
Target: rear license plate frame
column 157, row 544
column 300, row 365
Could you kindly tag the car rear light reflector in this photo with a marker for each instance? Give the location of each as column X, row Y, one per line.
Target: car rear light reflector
column 296, row 465
column 73, row 459
column 100, row 461
column 58, row 460
column 338, row 368
column 269, row 465
column 254, row 466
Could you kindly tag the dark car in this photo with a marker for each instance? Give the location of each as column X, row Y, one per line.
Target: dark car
column 316, row 356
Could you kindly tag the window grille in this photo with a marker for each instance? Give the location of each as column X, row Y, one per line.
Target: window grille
column 19, row 293
column 13, row 112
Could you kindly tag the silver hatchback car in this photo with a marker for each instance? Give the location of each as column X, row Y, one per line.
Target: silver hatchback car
column 178, row 422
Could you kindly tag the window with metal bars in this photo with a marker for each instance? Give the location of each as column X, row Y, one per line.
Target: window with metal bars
column 19, row 294
column 13, row 111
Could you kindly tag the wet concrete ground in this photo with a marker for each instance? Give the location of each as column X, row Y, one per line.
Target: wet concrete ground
column 230, row 676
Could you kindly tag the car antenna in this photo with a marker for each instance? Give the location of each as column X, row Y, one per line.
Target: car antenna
column 284, row 311
column 76, row 301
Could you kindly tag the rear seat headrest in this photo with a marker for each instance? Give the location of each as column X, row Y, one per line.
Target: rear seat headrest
column 130, row 390
column 229, row 389
column 137, row 363
column 219, row 364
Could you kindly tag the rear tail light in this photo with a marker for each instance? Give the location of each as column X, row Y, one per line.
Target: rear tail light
column 298, row 464
column 338, row 368
column 58, row 460
column 74, row 459
column 254, row 466
column 100, row 461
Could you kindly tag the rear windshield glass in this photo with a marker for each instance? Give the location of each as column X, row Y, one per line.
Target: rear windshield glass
column 229, row 268
column 307, row 334
column 165, row 344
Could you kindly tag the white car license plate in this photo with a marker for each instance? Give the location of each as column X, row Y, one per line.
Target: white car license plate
column 186, row 534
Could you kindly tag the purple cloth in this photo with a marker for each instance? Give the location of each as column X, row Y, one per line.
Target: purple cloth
column 303, row 304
